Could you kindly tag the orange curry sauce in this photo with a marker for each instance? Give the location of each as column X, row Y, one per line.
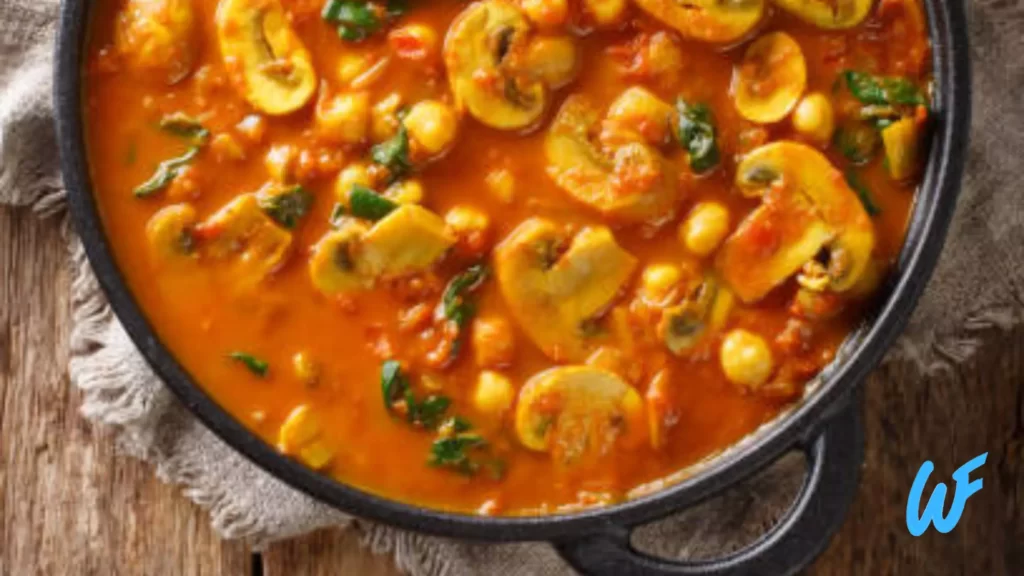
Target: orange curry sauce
column 203, row 313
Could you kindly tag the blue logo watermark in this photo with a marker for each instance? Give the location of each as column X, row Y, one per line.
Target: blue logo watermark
column 965, row 488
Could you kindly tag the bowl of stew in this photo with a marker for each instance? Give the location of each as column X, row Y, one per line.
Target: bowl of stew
column 519, row 270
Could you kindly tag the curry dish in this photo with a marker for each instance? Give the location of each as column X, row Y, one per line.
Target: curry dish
column 505, row 256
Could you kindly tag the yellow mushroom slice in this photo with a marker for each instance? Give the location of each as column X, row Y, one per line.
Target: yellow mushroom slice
column 631, row 182
column 334, row 267
column 169, row 232
column 158, row 36
column 409, row 239
column 242, row 230
column 300, row 436
column 828, row 14
column 806, row 206
column 701, row 313
column 707, row 20
column 578, row 413
column 770, row 80
column 482, row 52
column 267, row 60
column 901, row 141
column 555, row 296
column 605, row 12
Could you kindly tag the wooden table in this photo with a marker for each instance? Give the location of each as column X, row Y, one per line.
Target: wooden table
column 73, row 505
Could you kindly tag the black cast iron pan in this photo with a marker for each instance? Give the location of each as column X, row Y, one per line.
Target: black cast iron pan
column 825, row 425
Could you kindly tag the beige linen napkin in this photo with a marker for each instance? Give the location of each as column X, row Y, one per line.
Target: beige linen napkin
column 977, row 291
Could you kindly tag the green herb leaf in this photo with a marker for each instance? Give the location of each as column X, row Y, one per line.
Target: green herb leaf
column 429, row 412
column 453, row 452
column 185, row 126
column 394, row 384
column 365, row 203
column 165, row 173
column 697, row 135
column 457, row 307
column 254, row 364
column 457, row 424
column 356, row 20
column 394, row 154
column 287, row 207
column 337, row 214
column 882, row 90
column 862, row 191
column 856, row 141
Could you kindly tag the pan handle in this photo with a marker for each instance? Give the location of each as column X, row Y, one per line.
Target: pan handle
column 834, row 459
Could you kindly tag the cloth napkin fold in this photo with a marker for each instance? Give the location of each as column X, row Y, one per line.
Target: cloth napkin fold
column 976, row 292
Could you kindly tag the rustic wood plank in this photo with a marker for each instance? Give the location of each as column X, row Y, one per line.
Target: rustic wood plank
column 325, row 553
column 71, row 503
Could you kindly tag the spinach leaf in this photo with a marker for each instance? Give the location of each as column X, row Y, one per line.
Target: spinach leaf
column 453, row 452
column 882, row 90
column 394, row 154
column 862, row 191
column 429, row 412
column 365, row 203
column 185, row 126
column 337, row 213
column 254, row 364
column 355, row 20
column 696, row 133
column 394, row 384
column 456, row 305
column 165, row 173
column 287, row 207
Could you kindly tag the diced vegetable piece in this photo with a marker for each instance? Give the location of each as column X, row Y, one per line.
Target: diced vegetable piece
column 158, row 37
column 170, row 232
column 833, row 15
column 255, row 365
column 271, row 67
column 634, row 183
column 814, row 118
column 746, row 359
column 409, row 239
column 165, row 173
column 415, row 42
column 493, row 394
column 771, row 78
column 705, row 228
column 286, row 205
column 306, row 369
column 301, row 436
column 902, row 142
column 697, row 135
column 554, row 296
column 806, row 205
column 707, row 20
column 493, row 342
column 577, row 413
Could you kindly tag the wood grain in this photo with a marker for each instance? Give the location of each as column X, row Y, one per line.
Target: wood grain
column 72, row 505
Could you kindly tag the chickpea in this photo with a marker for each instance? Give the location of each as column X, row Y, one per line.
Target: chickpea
column 814, row 119
column 470, row 226
column 659, row 281
column 546, row 13
column 356, row 174
column 705, row 228
column 415, row 42
column 384, row 117
column 639, row 110
column 493, row 342
column 306, row 369
column 344, row 119
column 493, row 394
column 746, row 359
column 405, row 192
column 552, row 59
column 432, row 125
column 501, row 184
column 605, row 12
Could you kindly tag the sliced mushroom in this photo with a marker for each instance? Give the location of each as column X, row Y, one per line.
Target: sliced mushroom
column 770, row 80
column 700, row 314
column 268, row 62
column 301, row 436
column 577, row 413
column 553, row 296
column 485, row 54
column 901, row 140
column 806, row 206
column 169, row 232
column 707, row 20
column 828, row 14
column 352, row 258
column 158, row 36
column 242, row 231
column 632, row 182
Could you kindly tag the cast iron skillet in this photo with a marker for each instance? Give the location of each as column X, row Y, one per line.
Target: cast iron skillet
column 825, row 425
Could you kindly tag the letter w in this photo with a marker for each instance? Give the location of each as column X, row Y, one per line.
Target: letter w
column 965, row 488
